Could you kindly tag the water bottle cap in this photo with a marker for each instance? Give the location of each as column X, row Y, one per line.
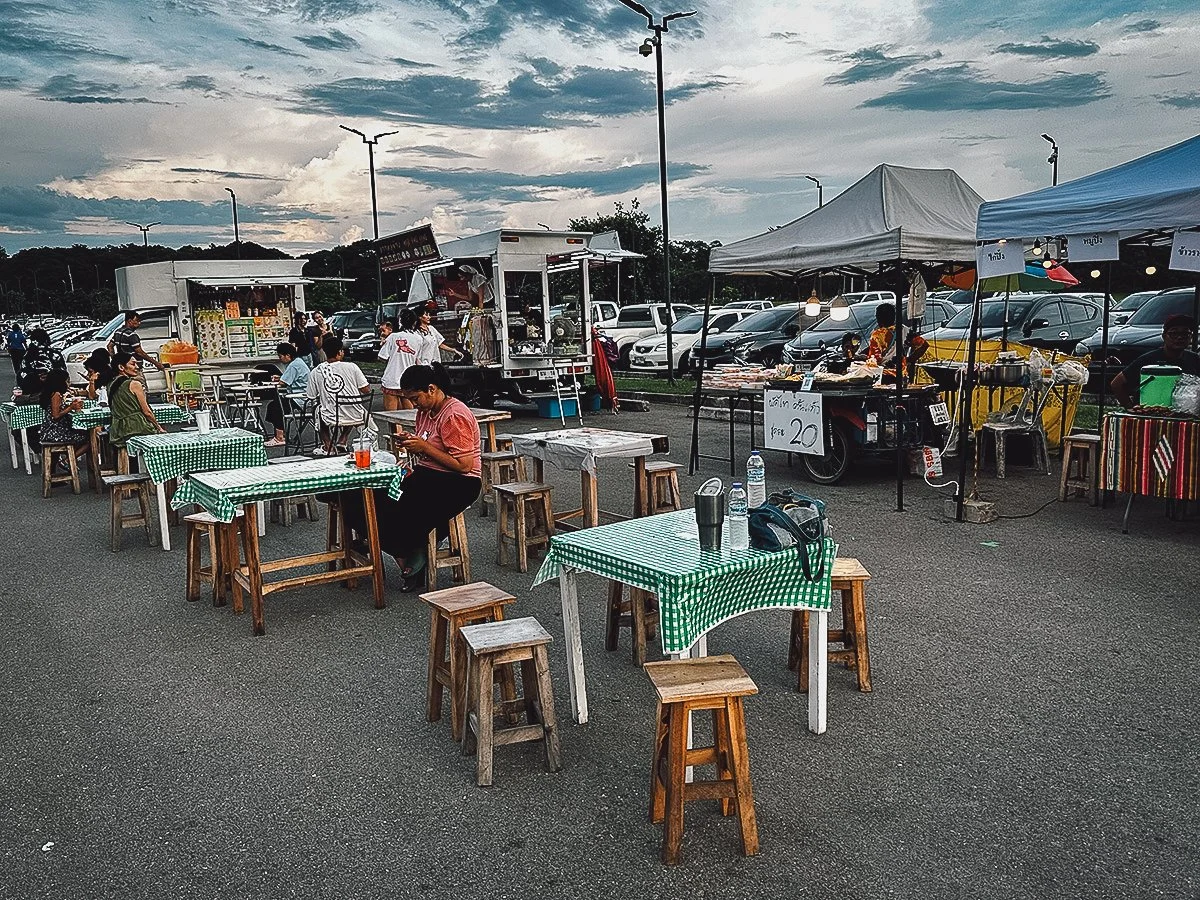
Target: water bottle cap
column 754, row 453
column 737, row 484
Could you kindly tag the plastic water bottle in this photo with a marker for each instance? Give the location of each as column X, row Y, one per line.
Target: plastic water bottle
column 739, row 524
column 756, row 480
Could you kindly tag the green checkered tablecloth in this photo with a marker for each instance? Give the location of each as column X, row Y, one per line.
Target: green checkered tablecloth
column 19, row 416
column 167, row 456
column 696, row 589
column 94, row 414
column 221, row 493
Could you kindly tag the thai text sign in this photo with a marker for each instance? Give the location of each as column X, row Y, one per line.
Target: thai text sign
column 408, row 249
column 794, row 421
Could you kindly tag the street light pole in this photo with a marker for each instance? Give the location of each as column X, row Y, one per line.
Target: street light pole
column 820, row 190
column 654, row 45
column 237, row 242
column 145, row 229
column 1052, row 158
column 371, row 142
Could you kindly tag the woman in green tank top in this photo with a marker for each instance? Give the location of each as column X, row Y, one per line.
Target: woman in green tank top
column 131, row 413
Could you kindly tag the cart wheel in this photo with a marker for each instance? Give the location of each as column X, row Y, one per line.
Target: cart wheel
column 830, row 468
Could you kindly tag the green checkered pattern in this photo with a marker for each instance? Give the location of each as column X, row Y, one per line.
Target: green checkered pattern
column 221, row 493
column 19, row 417
column 696, row 589
column 94, row 414
column 167, row 456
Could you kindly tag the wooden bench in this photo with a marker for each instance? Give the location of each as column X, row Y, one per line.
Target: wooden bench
column 524, row 519
column 850, row 578
column 1081, row 452
column 52, row 452
column 492, row 647
column 456, row 557
column 135, row 487
column 684, row 686
column 451, row 610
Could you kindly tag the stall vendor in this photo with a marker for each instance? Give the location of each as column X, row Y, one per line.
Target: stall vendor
column 882, row 346
column 839, row 363
column 1178, row 332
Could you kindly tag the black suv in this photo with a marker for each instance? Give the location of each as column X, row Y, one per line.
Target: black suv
column 756, row 339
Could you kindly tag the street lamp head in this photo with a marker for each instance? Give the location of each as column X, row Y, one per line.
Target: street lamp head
column 231, row 193
column 813, row 180
column 1046, row 137
column 647, row 47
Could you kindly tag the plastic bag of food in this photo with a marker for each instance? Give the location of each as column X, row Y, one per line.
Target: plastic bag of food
column 1186, row 397
column 1071, row 372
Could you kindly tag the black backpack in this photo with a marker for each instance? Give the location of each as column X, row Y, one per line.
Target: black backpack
column 790, row 519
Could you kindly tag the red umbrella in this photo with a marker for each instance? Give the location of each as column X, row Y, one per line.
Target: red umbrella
column 602, row 372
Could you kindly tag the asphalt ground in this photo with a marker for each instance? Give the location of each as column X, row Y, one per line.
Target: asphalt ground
column 1032, row 730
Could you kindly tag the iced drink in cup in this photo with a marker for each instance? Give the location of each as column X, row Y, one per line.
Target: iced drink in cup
column 362, row 452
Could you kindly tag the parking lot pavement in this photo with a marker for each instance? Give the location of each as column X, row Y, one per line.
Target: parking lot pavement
column 1031, row 732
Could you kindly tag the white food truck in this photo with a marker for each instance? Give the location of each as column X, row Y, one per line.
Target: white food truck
column 520, row 301
column 234, row 311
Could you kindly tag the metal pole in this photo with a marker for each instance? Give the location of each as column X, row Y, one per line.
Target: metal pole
column 375, row 225
column 694, row 454
column 900, row 361
column 966, row 417
column 662, row 183
column 237, row 239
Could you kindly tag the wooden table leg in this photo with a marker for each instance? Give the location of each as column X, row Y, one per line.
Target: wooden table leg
column 373, row 547
column 254, row 567
column 641, row 501
column 862, row 653
column 539, row 471
column 818, row 669
column 569, row 590
column 491, row 430
column 588, row 488
column 94, row 468
column 12, row 448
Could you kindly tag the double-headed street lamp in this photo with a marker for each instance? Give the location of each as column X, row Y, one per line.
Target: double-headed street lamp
column 1052, row 158
column 820, row 190
column 654, row 45
column 371, row 142
column 237, row 243
column 145, row 229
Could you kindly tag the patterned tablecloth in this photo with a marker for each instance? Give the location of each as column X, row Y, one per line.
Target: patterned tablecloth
column 19, row 416
column 167, row 456
column 221, row 493
column 1130, row 445
column 94, row 414
column 579, row 448
column 696, row 589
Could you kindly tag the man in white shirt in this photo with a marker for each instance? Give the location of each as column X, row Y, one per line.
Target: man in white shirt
column 338, row 387
column 398, row 348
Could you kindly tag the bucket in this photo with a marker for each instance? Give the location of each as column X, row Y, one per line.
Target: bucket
column 1158, row 384
column 203, row 421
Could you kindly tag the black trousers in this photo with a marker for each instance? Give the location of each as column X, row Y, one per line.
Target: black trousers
column 17, row 356
column 430, row 500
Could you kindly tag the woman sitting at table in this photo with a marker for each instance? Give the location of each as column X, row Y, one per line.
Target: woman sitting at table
column 294, row 380
column 445, row 479
column 99, row 373
column 58, row 427
column 131, row 412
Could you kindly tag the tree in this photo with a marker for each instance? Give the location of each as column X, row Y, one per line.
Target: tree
column 641, row 280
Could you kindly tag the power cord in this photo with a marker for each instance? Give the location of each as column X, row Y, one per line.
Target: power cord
column 1030, row 515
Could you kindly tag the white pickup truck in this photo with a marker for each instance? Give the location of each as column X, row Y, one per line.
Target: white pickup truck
column 640, row 320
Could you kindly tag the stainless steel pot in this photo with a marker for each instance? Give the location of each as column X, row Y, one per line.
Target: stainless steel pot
column 1006, row 373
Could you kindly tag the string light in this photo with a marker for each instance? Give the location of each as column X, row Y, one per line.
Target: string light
column 1095, row 273
column 1037, row 247
column 812, row 307
column 1150, row 270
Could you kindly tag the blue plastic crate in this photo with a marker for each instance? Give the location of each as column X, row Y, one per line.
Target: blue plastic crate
column 548, row 407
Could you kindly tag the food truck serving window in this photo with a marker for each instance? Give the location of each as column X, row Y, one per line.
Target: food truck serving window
column 240, row 321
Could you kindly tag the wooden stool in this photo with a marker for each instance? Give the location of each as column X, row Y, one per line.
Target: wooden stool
column 223, row 555
column 1000, row 432
column 451, row 609
column 851, row 579
column 51, row 452
column 1082, row 451
column 503, row 644
column 639, row 614
column 124, row 487
column 284, row 509
column 501, row 467
column 513, row 523
column 684, row 686
column 503, row 442
column 456, row 557
column 338, row 537
column 662, row 486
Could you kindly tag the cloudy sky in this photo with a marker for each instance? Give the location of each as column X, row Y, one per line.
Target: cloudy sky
column 518, row 112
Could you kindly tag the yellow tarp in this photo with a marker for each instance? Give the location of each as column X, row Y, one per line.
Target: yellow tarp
column 1057, row 417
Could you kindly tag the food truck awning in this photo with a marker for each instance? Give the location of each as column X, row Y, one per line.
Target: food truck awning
column 249, row 280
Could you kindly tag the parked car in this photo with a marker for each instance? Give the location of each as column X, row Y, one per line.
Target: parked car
column 1048, row 321
column 640, row 320
column 1141, row 334
column 364, row 349
column 868, row 296
column 650, row 354
column 352, row 324
column 603, row 311
column 1122, row 311
column 65, row 338
column 752, row 305
column 758, row 338
column 158, row 326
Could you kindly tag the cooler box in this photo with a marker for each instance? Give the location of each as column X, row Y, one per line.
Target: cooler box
column 547, row 405
column 1158, row 384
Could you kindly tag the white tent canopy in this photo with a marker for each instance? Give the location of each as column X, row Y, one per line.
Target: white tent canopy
column 892, row 213
column 1158, row 192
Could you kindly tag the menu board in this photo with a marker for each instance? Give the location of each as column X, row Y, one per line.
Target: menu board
column 228, row 333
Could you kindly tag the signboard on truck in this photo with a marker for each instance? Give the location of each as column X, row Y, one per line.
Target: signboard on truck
column 408, row 249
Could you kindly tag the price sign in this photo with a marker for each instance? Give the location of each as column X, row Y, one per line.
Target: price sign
column 794, row 421
column 939, row 414
column 933, row 462
column 1185, row 251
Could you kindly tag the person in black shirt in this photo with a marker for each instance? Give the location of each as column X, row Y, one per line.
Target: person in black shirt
column 298, row 336
column 1178, row 332
column 126, row 340
column 39, row 361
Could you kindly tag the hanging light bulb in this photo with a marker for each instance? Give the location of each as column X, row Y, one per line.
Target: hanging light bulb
column 1150, row 270
column 1037, row 247
column 812, row 307
column 1047, row 263
column 1095, row 273
column 839, row 309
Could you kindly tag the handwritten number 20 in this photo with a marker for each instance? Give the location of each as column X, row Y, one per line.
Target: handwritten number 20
column 806, row 435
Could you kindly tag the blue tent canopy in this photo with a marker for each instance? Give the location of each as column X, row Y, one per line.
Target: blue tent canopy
column 1157, row 192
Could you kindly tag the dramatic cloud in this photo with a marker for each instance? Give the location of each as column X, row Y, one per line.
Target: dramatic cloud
column 270, row 48
column 963, row 87
column 205, row 83
column 221, row 173
column 1048, row 48
column 69, row 89
column 1183, row 101
column 335, row 40
column 479, row 185
column 412, row 64
column 873, row 63
column 332, row 10
column 1143, row 25
column 970, row 17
